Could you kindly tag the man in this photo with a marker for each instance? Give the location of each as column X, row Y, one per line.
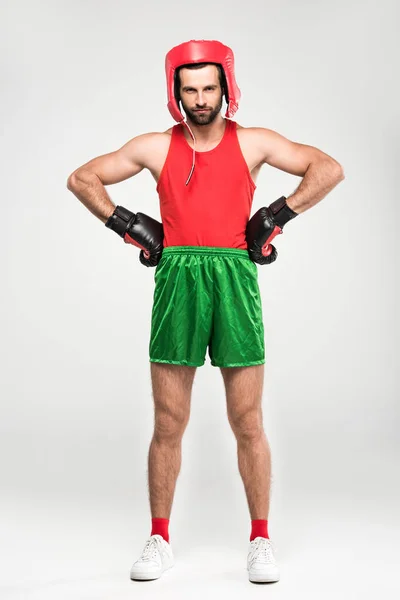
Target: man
column 206, row 252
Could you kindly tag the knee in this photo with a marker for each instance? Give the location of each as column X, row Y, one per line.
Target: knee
column 248, row 426
column 169, row 428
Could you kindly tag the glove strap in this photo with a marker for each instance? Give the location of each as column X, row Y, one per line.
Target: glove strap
column 282, row 212
column 120, row 220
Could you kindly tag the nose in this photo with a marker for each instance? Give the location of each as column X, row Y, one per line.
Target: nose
column 200, row 100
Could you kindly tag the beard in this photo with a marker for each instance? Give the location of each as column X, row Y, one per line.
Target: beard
column 202, row 118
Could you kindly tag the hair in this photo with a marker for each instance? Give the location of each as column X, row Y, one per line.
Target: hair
column 221, row 77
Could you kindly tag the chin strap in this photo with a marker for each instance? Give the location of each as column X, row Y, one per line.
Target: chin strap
column 194, row 151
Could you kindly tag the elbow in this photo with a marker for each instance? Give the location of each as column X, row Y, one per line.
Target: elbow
column 338, row 171
column 72, row 182
column 341, row 174
column 76, row 178
column 69, row 184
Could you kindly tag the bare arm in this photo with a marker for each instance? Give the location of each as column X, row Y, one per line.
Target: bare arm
column 320, row 172
column 88, row 181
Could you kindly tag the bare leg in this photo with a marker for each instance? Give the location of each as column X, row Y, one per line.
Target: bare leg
column 244, row 386
column 172, row 387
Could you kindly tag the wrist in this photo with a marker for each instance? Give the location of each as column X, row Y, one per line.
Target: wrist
column 120, row 220
column 282, row 213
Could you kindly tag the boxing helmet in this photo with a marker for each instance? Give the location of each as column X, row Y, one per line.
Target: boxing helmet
column 198, row 51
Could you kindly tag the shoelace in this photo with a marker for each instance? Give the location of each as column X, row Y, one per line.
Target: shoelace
column 151, row 550
column 262, row 552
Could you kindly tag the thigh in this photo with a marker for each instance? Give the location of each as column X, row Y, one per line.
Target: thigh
column 238, row 328
column 244, row 388
column 172, row 390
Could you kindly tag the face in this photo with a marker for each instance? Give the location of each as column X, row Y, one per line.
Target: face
column 200, row 88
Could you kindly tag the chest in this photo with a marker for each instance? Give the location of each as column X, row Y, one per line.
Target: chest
column 248, row 148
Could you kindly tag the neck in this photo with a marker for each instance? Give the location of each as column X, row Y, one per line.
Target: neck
column 206, row 133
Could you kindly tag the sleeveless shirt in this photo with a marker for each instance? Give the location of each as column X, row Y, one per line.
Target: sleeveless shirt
column 214, row 208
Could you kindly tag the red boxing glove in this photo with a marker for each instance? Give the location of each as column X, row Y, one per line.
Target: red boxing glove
column 263, row 226
column 142, row 231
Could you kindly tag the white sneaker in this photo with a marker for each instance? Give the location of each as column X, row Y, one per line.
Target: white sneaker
column 156, row 558
column 261, row 563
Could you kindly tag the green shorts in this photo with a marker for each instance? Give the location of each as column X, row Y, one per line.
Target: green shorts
column 206, row 297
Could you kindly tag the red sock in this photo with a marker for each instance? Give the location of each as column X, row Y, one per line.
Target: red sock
column 160, row 526
column 259, row 527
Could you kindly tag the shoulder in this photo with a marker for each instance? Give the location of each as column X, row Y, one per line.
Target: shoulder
column 146, row 147
column 260, row 138
column 153, row 138
column 255, row 133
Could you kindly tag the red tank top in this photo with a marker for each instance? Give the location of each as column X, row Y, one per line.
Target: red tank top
column 214, row 208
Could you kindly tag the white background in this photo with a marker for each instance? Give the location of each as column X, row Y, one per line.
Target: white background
column 79, row 79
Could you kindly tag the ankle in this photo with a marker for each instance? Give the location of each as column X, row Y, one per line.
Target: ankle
column 160, row 526
column 259, row 528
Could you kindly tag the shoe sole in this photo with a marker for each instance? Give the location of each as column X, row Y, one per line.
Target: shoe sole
column 263, row 579
column 142, row 576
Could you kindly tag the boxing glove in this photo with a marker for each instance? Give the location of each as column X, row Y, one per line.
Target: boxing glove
column 140, row 230
column 263, row 226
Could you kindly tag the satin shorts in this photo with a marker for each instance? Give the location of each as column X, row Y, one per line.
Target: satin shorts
column 206, row 298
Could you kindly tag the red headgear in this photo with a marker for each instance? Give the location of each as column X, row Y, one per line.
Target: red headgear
column 198, row 51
